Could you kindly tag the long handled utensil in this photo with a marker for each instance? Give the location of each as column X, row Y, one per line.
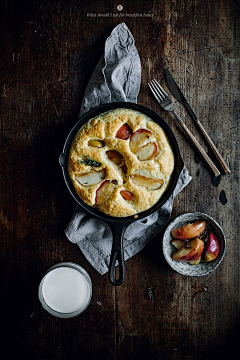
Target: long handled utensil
column 166, row 103
column 177, row 93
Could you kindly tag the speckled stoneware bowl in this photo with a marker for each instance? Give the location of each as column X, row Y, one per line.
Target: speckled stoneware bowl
column 184, row 268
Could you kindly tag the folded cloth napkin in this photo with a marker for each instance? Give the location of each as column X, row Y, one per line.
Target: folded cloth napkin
column 117, row 77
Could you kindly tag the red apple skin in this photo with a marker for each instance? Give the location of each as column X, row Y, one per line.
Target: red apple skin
column 138, row 138
column 200, row 250
column 189, row 231
column 103, row 191
column 127, row 195
column 124, row 132
column 115, row 156
column 190, row 251
column 212, row 247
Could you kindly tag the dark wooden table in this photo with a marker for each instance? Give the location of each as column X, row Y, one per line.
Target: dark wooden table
column 48, row 52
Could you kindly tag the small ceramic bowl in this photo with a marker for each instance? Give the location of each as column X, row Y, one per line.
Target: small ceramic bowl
column 184, row 268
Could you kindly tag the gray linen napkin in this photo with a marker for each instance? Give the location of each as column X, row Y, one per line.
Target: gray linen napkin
column 117, row 77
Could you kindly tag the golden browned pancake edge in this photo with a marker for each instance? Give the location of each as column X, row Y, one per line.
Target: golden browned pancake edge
column 134, row 185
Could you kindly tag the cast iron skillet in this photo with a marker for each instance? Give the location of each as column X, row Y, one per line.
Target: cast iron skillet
column 118, row 225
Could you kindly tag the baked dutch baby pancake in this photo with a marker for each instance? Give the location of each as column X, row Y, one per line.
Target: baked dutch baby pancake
column 120, row 162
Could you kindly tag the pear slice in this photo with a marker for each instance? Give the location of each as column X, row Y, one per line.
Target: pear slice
column 103, row 192
column 138, row 139
column 91, row 178
column 150, row 183
column 146, row 152
column 96, row 143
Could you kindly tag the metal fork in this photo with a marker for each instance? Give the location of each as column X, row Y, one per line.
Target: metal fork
column 166, row 103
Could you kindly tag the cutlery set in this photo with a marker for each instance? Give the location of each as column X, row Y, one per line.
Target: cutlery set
column 166, row 103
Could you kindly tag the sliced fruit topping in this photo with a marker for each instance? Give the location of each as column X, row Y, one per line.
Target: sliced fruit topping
column 96, row 143
column 139, row 138
column 124, row 132
column 190, row 230
column 103, row 192
column 191, row 250
column 178, row 243
column 147, row 152
column 212, row 247
column 127, row 195
column 196, row 261
column 150, row 183
column 115, row 156
column 91, row 178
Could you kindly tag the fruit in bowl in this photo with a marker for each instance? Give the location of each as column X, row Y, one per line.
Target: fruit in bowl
column 189, row 251
column 194, row 242
column 190, row 230
column 212, row 247
column 202, row 264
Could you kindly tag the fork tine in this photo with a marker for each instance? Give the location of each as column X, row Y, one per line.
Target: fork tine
column 158, row 95
column 151, row 86
column 160, row 88
column 157, row 90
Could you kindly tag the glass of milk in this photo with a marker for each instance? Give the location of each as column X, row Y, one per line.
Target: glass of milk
column 65, row 290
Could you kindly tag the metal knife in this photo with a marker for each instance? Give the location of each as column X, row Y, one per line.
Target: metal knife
column 177, row 93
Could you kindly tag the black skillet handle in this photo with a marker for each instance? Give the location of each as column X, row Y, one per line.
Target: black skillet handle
column 117, row 254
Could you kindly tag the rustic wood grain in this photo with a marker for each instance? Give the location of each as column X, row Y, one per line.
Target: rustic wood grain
column 47, row 54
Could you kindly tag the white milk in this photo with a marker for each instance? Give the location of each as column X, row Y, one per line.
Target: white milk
column 65, row 290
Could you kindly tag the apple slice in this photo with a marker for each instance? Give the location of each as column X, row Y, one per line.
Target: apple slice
column 147, row 152
column 91, row 178
column 178, row 243
column 127, row 195
column 124, row 132
column 150, row 183
column 196, row 261
column 139, row 138
column 103, row 192
column 212, row 247
column 189, row 231
column 115, row 156
column 190, row 251
column 96, row 143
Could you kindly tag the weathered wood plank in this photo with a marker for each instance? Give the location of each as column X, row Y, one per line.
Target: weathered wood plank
column 47, row 54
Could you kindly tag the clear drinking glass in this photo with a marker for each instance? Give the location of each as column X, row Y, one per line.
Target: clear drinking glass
column 65, row 290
